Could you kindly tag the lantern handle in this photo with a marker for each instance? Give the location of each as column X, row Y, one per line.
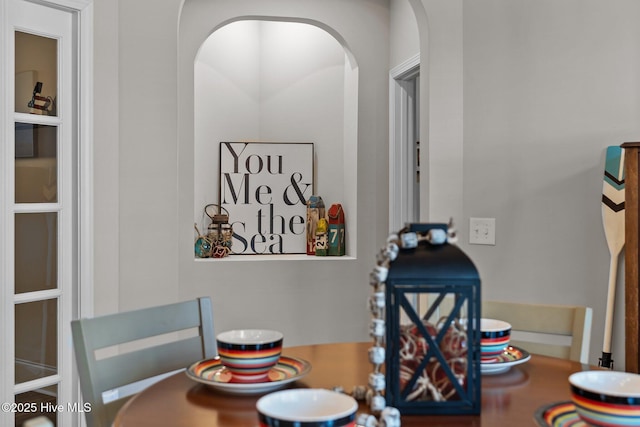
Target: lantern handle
column 217, row 217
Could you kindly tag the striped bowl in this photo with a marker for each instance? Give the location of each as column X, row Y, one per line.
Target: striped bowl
column 249, row 354
column 606, row 398
column 494, row 337
column 307, row 407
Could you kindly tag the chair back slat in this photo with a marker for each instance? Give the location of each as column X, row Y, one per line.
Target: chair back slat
column 553, row 350
column 116, row 328
column 550, row 320
column 135, row 366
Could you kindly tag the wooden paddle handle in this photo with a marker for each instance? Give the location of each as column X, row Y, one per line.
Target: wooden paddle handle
column 611, row 294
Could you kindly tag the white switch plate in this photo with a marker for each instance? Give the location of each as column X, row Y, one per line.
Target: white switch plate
column 482, row 231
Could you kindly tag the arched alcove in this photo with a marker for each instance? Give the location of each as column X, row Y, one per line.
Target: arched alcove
column 276, row 81
column 295, row 293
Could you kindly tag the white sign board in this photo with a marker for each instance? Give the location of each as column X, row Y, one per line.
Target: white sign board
column 264, row 186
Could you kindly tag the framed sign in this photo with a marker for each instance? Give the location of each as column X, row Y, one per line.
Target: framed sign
column 264, row 186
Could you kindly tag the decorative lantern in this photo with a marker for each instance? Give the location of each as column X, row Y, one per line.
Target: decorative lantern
column 432, row 294
column 219, row 231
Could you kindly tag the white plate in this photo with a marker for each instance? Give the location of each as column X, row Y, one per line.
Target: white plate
column 212, row 373
column 511, row 356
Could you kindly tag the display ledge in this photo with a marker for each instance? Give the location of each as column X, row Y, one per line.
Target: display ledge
column 284, row 257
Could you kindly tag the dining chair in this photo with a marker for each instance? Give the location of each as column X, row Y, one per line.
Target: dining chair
column 562, row 331
column 117, row 352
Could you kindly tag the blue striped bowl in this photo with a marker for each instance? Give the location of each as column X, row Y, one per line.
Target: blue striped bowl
column 494, row 338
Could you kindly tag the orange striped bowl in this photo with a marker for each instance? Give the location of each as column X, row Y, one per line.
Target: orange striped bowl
column 249, row 354
column 606, row 398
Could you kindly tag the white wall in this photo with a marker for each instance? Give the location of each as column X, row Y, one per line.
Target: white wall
column 227, row 103
column 404, row 40
column 328, row 296
column 145, row 199
column 546, row 89
column 303, row 93
column 547, row 86
column 106, row 152
column 441, row 111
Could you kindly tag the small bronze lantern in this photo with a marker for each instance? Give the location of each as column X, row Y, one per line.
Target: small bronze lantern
column 432, row 296
column 219, row 231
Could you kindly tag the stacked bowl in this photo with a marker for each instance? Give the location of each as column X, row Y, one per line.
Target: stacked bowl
column 249, row 354
column 606, row 398
column 494, row 338
column 307, row 407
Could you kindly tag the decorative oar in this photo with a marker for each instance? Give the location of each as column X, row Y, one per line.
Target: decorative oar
column 613, row 221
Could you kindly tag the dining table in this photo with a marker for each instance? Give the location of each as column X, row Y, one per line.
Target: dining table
column 510, row 398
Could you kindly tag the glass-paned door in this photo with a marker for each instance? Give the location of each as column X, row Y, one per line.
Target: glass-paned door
column 40, row 196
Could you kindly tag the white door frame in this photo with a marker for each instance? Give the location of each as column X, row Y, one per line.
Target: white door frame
column 83, row 135
column 401, row 135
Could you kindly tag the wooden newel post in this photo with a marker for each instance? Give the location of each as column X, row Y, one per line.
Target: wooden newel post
column 632, row 257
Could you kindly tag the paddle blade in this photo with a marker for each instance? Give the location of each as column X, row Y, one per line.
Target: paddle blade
column 613, row 199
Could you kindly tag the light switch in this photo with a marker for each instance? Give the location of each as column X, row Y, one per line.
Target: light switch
column 482, row 231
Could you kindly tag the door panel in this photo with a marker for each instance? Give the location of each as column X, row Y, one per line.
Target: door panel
column 36, row 251
column 36, row 70
column 36, row 163
column 40, row 196
column 39, row 402
column 36, row 337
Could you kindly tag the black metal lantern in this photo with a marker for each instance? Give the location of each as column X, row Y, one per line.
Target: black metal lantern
column 432, row 329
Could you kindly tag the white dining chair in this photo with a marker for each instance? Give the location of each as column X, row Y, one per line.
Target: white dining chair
column 112, row 360
column 562, row 331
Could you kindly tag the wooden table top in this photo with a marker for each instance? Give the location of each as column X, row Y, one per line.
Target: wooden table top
column 508, row 399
